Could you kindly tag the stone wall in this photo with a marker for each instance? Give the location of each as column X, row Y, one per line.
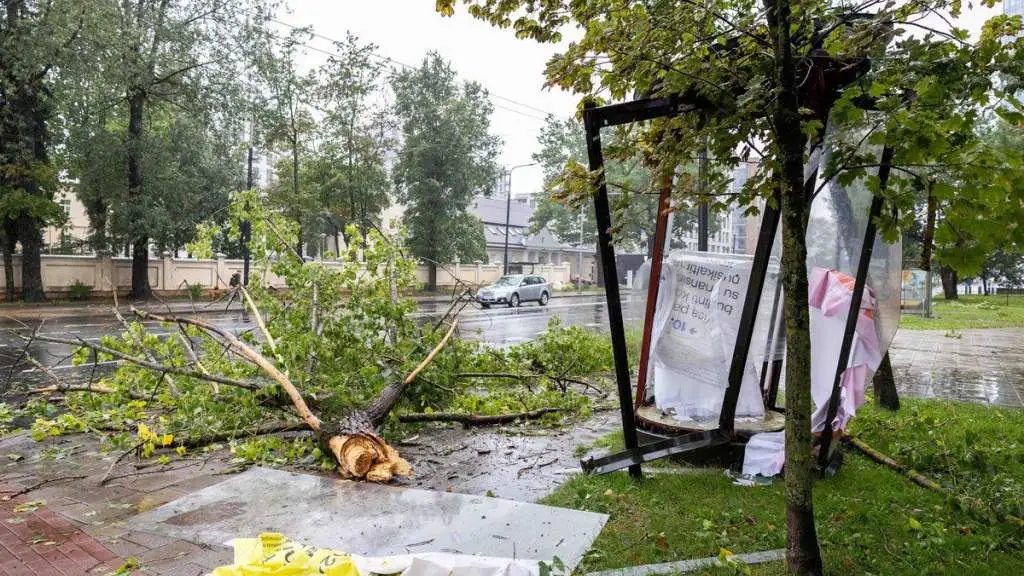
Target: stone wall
column 172, row 275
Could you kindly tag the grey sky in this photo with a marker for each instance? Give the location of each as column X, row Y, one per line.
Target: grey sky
column 406, row 29
column 513, row 70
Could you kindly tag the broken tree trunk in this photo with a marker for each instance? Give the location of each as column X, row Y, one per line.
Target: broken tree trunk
column 353, row 441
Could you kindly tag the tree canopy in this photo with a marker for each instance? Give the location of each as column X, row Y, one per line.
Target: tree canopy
column 447, row 157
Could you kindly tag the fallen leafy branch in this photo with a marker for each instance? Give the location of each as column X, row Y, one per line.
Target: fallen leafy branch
column 80, row 343
column 922, row 480
column 470, row 420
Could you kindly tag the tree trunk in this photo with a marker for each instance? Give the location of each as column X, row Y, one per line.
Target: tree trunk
column 140, row 269
column 432, row 277
column 140, row 243
column 984, row 284
column 950, row 280
column 929, row 232
column 802, row 553
column 31, row 258
column 10, row 238
column 884, row 385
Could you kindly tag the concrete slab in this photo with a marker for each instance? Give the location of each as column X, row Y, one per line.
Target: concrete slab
column 372, row 520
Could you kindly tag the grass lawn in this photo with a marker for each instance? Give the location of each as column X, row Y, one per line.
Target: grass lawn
column 870, row 519
column 970, row 312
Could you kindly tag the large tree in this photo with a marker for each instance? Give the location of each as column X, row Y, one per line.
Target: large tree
column 447, row 157
column 35, row 35
column 359, row 133
column 772, row 75
column 147, row 57
column 288, row 124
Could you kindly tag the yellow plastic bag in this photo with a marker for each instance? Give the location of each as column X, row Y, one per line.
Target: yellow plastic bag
column 274, row 555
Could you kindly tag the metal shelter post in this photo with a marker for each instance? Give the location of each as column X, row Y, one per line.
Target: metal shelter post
column 607, row 251
column 751, row 302
column 653, row 284
column 866, row 250
column 703, row 216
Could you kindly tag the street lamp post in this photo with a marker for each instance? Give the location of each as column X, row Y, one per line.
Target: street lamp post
column 508, row 210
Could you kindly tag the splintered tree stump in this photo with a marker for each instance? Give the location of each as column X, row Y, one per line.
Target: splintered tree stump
column 367, row 457
column 362, row 454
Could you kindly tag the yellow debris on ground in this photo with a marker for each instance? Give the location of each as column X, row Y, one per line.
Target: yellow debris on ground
column 274, row 555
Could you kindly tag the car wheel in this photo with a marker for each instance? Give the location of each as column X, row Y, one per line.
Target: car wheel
column 485, row 306
column 544, row 299
column 513, row 301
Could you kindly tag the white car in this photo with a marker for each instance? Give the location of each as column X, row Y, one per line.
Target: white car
column 513, row 290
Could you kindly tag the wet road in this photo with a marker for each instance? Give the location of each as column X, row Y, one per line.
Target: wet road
column 499, row 326
column 982, row 366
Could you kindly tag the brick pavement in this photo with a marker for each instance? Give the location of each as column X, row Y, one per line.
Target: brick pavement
column 42, row 543
column 97, row 513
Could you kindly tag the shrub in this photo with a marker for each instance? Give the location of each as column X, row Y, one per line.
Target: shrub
column 79, row 291
column 195, row 291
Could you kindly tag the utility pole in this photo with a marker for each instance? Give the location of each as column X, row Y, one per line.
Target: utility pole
column 246, row 225
column 579, row 256
column 508, row 209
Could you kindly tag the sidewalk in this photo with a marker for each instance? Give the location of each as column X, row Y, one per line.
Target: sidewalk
column 38, row 541
column 83, row 519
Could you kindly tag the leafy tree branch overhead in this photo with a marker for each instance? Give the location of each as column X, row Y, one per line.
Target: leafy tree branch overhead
column 773, row 79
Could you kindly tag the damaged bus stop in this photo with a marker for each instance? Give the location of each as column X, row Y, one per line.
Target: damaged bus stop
column 713, row 350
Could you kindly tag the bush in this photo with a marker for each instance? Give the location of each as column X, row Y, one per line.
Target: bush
column 79, row 291
column 195, row 291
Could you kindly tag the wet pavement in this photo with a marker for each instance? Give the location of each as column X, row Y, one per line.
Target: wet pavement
column 980, row 366
column 983, row 366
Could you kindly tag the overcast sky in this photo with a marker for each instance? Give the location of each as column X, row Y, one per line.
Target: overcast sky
column 513, row 70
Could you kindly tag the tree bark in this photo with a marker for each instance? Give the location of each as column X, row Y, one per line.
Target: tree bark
column 140, row 243
column 140, row 269
column 31, row 258
column 884, row 385
column 950, row 280
column 432, row 277
column 802, row 553
column 10, row 237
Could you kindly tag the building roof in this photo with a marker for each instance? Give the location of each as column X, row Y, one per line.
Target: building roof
column 492, row 212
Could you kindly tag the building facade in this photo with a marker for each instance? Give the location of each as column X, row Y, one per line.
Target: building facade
column 526, row 249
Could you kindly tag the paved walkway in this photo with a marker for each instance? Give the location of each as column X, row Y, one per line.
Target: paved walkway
column 79, row 511
column 982, row 366
column 40, row 542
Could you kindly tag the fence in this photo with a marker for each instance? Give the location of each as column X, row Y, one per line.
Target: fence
column 171, row 275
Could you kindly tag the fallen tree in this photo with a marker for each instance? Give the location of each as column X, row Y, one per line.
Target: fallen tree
column 335, row 355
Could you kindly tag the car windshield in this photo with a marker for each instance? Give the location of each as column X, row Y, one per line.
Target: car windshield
column 507, row 281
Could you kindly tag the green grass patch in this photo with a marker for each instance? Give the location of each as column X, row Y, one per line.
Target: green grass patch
column 870, row 519
column 970, row 312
